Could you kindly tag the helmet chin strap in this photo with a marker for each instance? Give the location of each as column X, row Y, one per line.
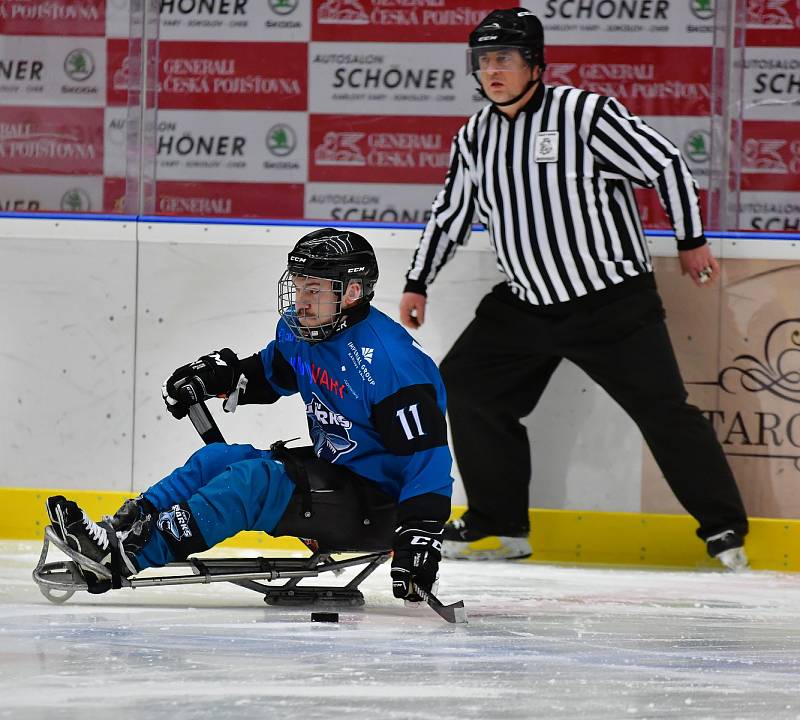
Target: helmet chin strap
column 519, row 97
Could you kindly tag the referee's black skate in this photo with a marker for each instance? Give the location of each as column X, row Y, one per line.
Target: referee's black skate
column 462, row 540
column 728, row 548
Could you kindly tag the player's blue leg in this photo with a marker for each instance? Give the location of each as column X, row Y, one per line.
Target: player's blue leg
column 251, row 494
column 202, row 467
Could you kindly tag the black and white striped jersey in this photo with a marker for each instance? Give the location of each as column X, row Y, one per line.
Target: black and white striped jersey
column 553, row 187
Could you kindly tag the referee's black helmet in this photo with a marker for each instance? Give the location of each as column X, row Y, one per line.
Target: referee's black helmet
column 512, row 27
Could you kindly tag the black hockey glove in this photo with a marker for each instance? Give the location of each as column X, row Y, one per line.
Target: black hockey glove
column 417, row 552
column 212, row 375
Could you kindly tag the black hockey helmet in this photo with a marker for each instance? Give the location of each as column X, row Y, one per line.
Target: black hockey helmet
column 509, row 28
column 340, row 256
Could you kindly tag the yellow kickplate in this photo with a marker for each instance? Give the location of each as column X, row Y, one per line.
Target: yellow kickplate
column 563, row 536
column 25, row 516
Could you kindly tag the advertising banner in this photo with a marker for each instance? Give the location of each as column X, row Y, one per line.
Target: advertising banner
column 647, row 80
column 115, row 141
column 118, row 18
column 62, row 71
column 742, row 376
column 224, row 76
column 236, row 20
column 770, row 156
column 772, row 83
column 376, row 202
column 247, row 147
column 773, row 23
column 382, row 149
column 68, row 18
column 769, row 211
column 390, row 79
column 232, row 200
column 672, row 23
column 51, row 141
column 51, row 193
column 215, row 199
column 439, row 21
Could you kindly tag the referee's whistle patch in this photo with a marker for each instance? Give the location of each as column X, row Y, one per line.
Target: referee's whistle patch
column 545, row 147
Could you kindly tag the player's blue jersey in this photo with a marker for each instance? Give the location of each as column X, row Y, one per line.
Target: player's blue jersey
column 375, row 402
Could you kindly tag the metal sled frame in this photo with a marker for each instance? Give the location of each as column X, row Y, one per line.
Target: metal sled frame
column 58, row 581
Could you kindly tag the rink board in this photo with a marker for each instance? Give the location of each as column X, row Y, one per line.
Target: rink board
column 557, row 536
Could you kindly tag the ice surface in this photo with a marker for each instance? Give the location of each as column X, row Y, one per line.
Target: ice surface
column 543, row 641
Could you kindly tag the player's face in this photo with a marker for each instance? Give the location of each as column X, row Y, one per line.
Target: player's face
column 504, row 74
column 315, row 301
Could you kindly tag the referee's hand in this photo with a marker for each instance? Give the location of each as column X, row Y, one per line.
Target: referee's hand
column 412, row 309
column 700, row 265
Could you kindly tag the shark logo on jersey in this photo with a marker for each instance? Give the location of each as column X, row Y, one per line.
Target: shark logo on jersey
column 329, row 430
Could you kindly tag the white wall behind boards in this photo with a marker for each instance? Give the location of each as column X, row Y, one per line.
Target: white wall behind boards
column 67, row 351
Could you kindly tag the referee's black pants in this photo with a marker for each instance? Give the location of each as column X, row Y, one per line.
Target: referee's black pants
column 498, row 368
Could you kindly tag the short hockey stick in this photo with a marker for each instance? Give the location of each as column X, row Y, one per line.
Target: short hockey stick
column 454, row 613
column 201, row 416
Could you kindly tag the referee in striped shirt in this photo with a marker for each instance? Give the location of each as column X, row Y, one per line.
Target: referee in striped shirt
column 549, row 171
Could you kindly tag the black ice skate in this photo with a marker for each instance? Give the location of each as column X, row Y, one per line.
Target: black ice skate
column 132, row 525
column 728, row 548
column 464, row 541
column 96, row 546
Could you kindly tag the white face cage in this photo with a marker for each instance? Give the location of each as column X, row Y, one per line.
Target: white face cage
column 311, row 315
column 497, row 58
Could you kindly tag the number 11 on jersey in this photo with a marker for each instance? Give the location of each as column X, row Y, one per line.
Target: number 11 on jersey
column 401, row 416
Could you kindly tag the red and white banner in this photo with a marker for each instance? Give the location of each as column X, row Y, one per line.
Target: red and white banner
column 51, row 193
column 647, row 80
column 115, row 137
column 235, row 20
column 387, row 79
column 380, row 149
column 51, row 141
column 247, row 147
column 437, row 21
column 215, row 199
column 772, row 84
column 209, row 199
column 773, row 23
column 220, row 76
column 771, row 156
column 770, row 211
column 62, row 71
column 668, row 23
column 345, row 109
column 66, row 18
column 375, row 202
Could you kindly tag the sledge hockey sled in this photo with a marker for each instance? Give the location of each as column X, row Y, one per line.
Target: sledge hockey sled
column 59, row 581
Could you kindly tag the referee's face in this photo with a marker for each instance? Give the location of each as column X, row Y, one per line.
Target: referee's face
column 504, row 74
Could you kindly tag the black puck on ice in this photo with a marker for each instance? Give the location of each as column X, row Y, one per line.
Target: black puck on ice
column 324, row 617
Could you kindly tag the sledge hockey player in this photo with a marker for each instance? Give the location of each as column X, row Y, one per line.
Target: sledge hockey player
column 378, row 474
